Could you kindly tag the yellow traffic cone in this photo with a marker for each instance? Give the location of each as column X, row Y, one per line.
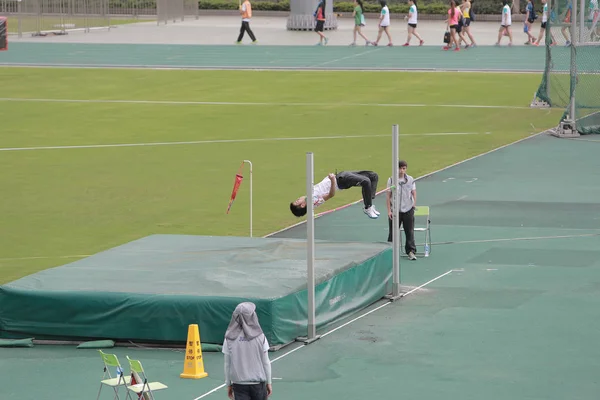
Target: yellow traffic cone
column 193, row 367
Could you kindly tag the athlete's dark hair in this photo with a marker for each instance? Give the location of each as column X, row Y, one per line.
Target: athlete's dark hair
column 297, row 210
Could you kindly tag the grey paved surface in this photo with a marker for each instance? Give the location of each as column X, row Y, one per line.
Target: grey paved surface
column 222, row 30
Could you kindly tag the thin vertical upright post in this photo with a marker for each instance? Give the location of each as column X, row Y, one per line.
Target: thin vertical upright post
column 395, row 213
column 573, row 75
column 250, row 164
column 581, row 22
column 310, row 247
column 310, row 252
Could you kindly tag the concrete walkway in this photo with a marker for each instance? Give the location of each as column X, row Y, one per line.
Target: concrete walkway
column 222, row 30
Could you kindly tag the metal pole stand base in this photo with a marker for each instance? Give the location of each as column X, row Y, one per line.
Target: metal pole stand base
column 566, row 129
column 306, row 340
column 402, row 290
column 393, row 298
column 537, row 103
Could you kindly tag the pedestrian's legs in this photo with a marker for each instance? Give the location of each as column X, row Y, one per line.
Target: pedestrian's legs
column 347, row 179
column 242, row 30
column 250, row 31
column 408, row 220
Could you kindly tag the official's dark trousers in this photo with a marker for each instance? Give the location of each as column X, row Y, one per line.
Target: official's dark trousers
column 406, row 220
column 250, row 392
column 246, row 28
column 366, row 179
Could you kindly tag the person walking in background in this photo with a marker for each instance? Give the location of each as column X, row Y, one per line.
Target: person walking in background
column 412, row 23
column 466, row 8
column 320, row 17
column 384, row 24
column 247, row 365
column 454, row 14
column 530, row 18
column 359, row 22
column 594, row 17
column 246, row 12
column 505, row 24
column 544, row 29
column 566, row 18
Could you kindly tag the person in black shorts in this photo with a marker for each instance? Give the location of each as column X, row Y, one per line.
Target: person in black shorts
column 320, row 17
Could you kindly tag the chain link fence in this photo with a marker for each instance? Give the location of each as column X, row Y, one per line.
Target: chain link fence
column 58, row 17
column 43, row 17
column 175, row 10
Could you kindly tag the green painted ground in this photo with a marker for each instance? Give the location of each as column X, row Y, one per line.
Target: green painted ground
column 486, row 58
column 514, row 318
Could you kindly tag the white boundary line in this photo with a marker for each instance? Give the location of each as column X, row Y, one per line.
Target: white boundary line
column 416, row 179
column 340, row 327
column 518, row 239
column 346, row 58
column 43, row 257
column 267, row 104
column 99, row 146
column 274, row 68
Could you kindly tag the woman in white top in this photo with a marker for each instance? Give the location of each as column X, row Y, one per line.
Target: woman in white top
column 505, row 29
column 384, row 23
column 544, row 28
column 412, row 23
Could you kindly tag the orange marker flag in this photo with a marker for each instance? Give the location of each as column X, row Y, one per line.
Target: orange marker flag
column 236, row 185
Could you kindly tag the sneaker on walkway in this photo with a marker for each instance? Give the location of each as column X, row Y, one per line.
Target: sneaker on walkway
column 411, row 256
column 375, row 210
column 370, row 213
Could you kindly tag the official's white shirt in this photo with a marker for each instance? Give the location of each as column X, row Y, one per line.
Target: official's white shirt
column 406, row 186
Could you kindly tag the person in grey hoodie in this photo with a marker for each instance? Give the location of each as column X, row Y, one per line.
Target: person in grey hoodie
column 247, row 364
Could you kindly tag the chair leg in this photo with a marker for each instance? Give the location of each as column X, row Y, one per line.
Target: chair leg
column 116, row 389
column 99, row 392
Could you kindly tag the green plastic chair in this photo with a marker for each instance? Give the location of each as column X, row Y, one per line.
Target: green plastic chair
column 145, row 387
column 111, row 360
column 423, row 211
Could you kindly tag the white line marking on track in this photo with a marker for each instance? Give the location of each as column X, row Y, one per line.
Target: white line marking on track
column 41, row 257
column 517, row 239
column 341, row 326
column 347, row 57
column 271, row 69
column 242, row 103
column 98, row 146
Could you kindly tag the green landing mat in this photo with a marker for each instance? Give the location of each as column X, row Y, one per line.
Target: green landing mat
column 151, row 289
